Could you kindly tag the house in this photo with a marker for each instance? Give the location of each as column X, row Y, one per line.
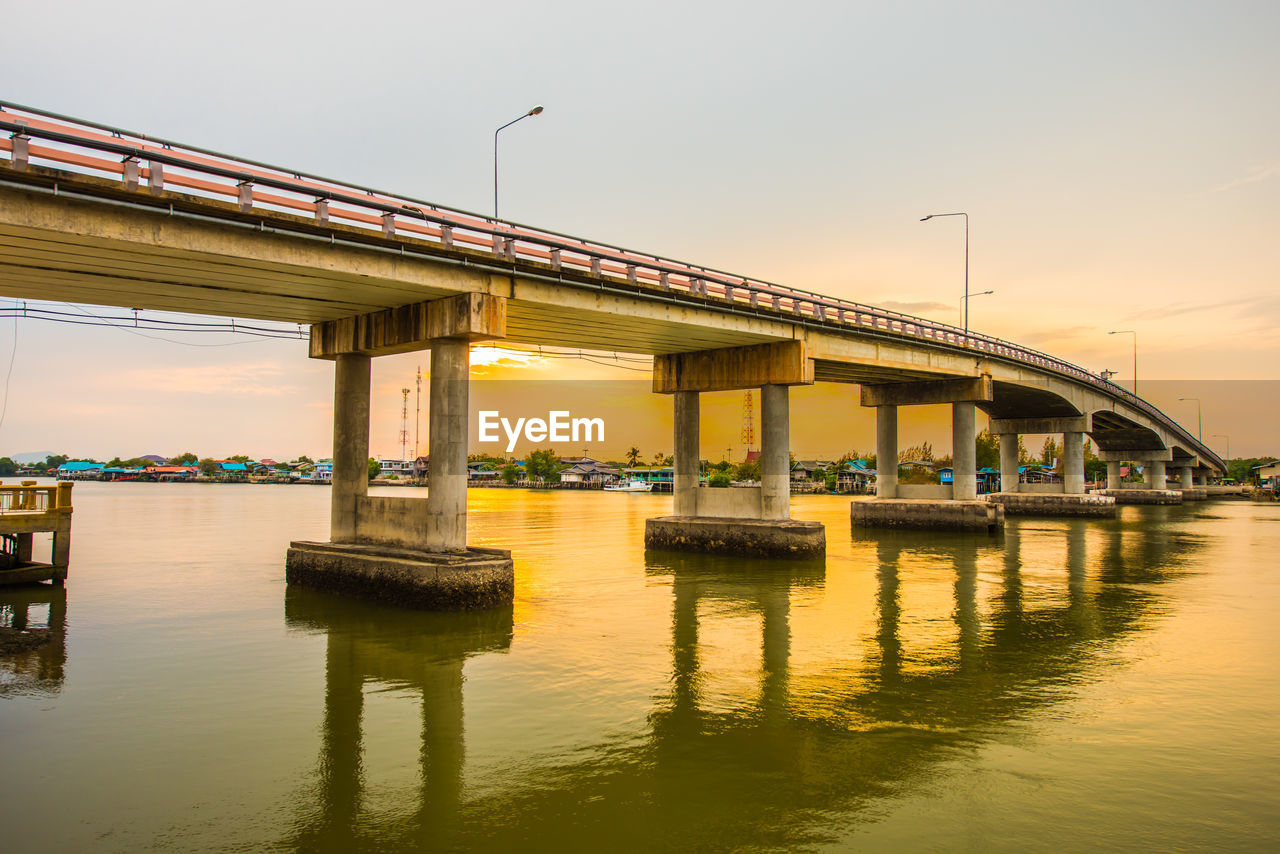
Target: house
column 855, row 476
column 805, row 469
column 665, row 474
column 324, row 471
column 476, row 471
column 1267, row 474
column 120, row 473
column 231, row 468
column 396, row 468
column 590, row 473
column 79, row 470
column 165, row 473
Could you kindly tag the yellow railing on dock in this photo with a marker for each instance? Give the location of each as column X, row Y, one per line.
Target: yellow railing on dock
column 29, row 498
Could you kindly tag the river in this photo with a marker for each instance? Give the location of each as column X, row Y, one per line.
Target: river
column 1067, row 686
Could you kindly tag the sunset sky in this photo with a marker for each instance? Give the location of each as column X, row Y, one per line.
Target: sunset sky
column 1120, row 163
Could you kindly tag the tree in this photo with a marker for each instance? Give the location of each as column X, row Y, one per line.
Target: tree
column 208, row 467
column 543, row 465
column 54, row 461
column 917, row 453
column 633, row 457
column 241, row 458
column 988, row 450
column 1050, row 452
column 8, row 466
column 375, row 468
column 305, row 459
column 718, row 480
column 510, row 473
column 658, row 458
column 186, row 459
column 1094, row 468
column 748, row 471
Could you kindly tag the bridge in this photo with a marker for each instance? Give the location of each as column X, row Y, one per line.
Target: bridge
column 99, row 215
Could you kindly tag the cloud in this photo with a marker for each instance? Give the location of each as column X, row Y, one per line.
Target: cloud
column 1247, row 306
column 1262, row 173
column 246, row 378
column 1044, row 337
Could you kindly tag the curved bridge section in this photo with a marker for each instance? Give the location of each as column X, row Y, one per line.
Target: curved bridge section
column 99, row 215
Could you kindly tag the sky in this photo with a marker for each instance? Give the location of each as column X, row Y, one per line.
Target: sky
column 1119, row 162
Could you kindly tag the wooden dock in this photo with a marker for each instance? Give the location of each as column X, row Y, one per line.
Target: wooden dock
column 27, row 510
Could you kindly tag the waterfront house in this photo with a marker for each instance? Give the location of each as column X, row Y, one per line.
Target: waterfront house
column 664, row 474
column 79, row 470
column 805, row 469
column 120, row 473
column 324, row 471
column 855, row 476
column 590, row 473
column 167, row 473
column 232, row 469
column 396, row 468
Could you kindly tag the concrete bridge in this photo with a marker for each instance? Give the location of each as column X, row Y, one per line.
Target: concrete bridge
column 98, row 215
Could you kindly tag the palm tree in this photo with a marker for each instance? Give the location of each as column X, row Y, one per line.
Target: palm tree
column 633, row 457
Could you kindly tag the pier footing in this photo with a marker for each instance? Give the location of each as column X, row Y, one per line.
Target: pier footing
column 1054, row 504
column 928, row 514
column 1143, row 496
column 461, row 581
column 1194, row 493
column 746, row 537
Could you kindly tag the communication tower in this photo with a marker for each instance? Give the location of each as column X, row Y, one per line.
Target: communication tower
column 417, row 418
column 748, row 422
column 404, row 426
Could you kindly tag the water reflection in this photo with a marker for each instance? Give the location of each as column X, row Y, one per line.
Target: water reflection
column 33, row 639
column 771, row 764
column 424, row 652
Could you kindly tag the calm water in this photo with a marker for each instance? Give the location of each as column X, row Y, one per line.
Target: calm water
column 1070, row 686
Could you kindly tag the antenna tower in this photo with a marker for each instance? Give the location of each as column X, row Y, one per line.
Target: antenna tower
column 417, row 417
column 404, row 426
column 748, row 421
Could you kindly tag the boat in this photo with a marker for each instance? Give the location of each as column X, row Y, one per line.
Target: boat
column 631, row 486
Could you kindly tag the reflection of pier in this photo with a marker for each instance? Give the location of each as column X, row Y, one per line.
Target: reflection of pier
column 27, row 510
column 33, row 639
column 420, row 650
column 762, row 765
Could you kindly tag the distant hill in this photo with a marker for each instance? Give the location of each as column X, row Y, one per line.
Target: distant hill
column 32, row 457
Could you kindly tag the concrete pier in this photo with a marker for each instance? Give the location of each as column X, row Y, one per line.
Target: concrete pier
column 1073, row 463
column 27, row 510
column 886, row 451
column 1009, row 463
column 1055, row 504
column 748, row 521
column 1143, row 496
column 964, row 452
column 405, row 551
column 928, row 515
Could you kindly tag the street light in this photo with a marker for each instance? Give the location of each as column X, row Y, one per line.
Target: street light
column 967, row 297
column 966, row 262
column 1135, row 355
column 533, row 112
column 1199, row 420
column 1228, row 438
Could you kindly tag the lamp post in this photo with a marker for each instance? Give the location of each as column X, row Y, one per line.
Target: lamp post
column 1228, row 438
column 533, row 112
column 965, row 304
column 966, row 262
column 1199, row 420
column 1135, row 354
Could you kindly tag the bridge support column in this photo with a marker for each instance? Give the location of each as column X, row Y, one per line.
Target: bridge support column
column 964, row 452
column 350, row 444
column 406, row 551
column 687, row 452
column 447, row 475
column 1113, row 475
column 748, row 520
column 1153, row 475
column 775, row 452
column 1073, row 463
column 887, row 451
column 928, row 506
column 1009, row 462
column 1187, row 478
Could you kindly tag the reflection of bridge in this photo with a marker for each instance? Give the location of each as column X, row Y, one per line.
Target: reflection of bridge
column 762, row 765
column 94, row 214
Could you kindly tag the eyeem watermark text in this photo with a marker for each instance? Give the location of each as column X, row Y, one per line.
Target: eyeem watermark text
column 559, row 426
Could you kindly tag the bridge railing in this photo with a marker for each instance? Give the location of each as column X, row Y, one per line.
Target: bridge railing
column 29, row 498
column 149, row 165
